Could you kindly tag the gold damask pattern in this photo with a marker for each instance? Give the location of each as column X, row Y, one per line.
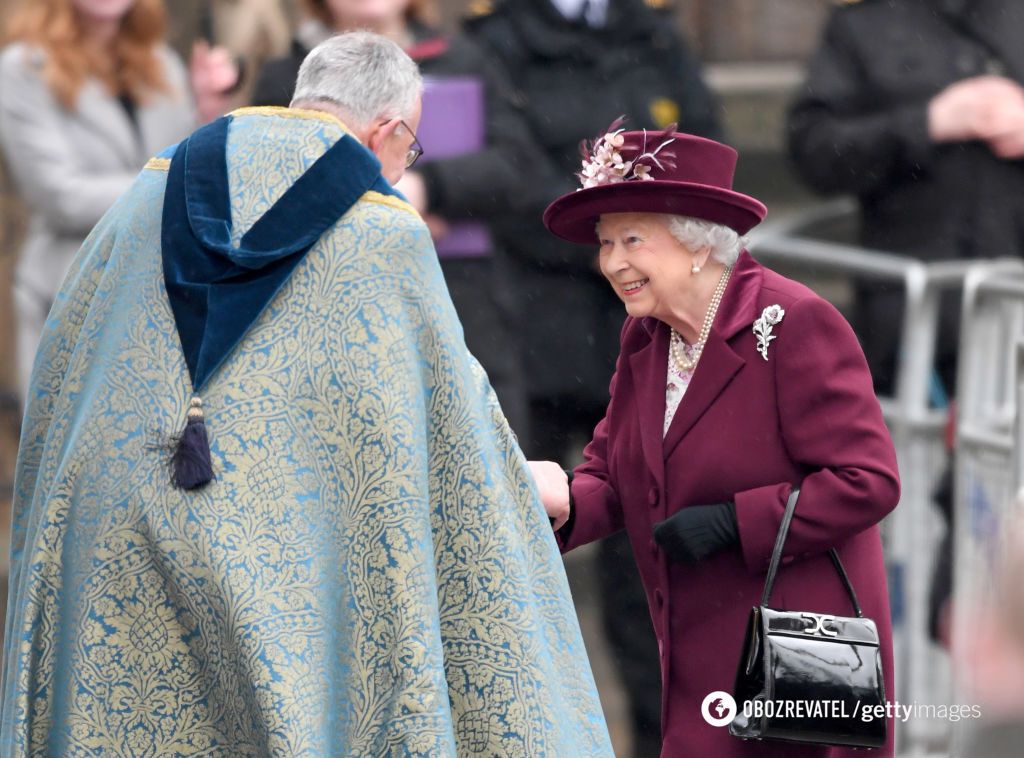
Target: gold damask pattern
column 370, row 574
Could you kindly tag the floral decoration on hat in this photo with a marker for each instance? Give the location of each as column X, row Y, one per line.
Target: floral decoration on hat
column 604, row 164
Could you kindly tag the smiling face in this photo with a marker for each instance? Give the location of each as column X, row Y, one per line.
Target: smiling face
column 353, row 14
column 648, row 268
column 103, row 10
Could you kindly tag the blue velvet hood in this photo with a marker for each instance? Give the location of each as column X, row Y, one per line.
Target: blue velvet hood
column 218, row 289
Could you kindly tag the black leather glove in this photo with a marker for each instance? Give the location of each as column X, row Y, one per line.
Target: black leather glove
column 566, row 529
column 694, row 533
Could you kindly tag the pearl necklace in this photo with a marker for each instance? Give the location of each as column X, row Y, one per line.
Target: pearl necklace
column 675, row 345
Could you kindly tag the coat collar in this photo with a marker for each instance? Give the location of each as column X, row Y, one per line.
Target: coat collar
column 108, row 118
column 738, row 309
column 739, row 302
column 719, row 363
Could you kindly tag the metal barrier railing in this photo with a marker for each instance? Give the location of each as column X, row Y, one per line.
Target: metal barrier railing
column 815, row 222
column 990, row 437
column 912, row 532
column 1018, row 425
column 993, row 324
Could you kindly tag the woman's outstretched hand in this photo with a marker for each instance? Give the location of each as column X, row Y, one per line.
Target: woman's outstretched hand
column 553, row 485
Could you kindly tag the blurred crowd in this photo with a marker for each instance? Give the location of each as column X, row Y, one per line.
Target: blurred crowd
column 915, row 107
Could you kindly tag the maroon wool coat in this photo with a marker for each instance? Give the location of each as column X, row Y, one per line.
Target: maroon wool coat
column 747, row 430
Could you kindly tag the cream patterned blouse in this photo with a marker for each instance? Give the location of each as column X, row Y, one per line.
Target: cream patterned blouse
column 676, row 385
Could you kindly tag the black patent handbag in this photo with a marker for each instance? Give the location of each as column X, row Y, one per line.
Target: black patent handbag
column 809, row 677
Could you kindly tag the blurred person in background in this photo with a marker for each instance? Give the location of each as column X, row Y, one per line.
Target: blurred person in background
column 252, row 31
column 917, row 108
column 725, row 374
column 480, row 184
column 989, row 650
column 13, row 218
column 576, row 65
column 88, row 92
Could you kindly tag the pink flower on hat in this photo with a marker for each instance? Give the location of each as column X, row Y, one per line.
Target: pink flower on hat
column 603, row 163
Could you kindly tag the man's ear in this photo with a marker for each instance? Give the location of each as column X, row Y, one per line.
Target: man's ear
column 380, row 133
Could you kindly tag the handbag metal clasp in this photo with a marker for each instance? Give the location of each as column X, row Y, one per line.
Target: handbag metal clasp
column 819, row 624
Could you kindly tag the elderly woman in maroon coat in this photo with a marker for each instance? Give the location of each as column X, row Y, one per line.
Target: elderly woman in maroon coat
column 733, row 386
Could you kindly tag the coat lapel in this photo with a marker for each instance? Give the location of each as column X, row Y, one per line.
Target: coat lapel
column 649, row 366
column 104, row 115
column 719, row 363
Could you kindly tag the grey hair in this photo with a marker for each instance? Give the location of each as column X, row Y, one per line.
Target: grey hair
column 366, row 75
column 695, row 233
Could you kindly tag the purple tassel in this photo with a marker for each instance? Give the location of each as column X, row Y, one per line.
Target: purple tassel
column 191, row 467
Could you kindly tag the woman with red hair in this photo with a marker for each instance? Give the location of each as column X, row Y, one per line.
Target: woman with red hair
column 88, row 92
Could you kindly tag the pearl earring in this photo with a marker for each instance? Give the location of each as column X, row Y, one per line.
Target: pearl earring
column 695, row 269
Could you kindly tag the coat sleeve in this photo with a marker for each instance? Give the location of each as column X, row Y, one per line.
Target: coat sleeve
column 491, row 180
column 43, row 162
column 839, row 139
column 597, row 511
column 183, row 116
column 831, row 425
column 274, row 27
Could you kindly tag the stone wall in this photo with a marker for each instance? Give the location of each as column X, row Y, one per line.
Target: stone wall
column 727, row 30
column 754, row 30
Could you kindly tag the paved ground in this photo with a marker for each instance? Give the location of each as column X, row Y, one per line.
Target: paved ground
column 579, row 566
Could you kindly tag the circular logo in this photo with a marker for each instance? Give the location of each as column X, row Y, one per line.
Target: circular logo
column 718, row 708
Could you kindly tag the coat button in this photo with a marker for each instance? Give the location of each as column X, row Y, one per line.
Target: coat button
column 654, row 547
column 659, row 598
column 652, row 497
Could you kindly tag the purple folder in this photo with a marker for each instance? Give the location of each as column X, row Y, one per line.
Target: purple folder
column 452, row 124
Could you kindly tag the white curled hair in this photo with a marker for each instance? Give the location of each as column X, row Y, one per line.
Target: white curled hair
column 366, row 75
column 695, row 233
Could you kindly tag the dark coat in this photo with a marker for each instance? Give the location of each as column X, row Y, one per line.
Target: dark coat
column 483, row 185
column 747, row 430
column 859, row 125
column 571, row 82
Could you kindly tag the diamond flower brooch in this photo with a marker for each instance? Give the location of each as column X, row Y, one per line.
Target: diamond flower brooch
column 770, row 318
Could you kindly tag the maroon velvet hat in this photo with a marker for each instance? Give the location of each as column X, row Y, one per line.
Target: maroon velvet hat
column 653, row 172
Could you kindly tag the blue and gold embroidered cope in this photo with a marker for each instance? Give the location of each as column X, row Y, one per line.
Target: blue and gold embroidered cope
column 218, row 288
column 371, row 573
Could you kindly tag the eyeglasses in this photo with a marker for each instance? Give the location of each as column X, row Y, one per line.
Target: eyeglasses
column 415, row 150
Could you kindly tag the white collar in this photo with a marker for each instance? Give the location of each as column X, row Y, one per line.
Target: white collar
column 596, row 12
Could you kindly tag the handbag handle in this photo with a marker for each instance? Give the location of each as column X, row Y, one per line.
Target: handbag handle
column 780, row 541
